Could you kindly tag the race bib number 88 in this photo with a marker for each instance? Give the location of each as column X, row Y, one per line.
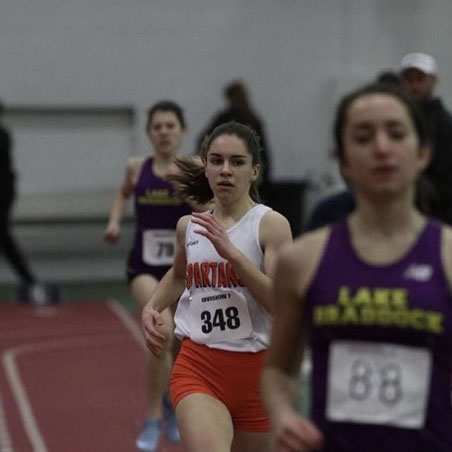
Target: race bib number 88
column 378, row 383
column 219, row 316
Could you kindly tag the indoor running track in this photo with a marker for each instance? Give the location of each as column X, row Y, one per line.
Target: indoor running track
column 72, row 379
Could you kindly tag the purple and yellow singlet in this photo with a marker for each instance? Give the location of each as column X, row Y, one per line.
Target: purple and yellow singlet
column 381, row 342
column 157, row 211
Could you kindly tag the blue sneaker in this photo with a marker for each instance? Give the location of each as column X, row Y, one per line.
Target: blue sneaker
column 149, row 436
column 169, row 421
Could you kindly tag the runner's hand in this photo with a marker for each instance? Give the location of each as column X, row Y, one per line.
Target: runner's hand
column 151, row 321
column 112, row 233
column 214, row 232
column 296, row 434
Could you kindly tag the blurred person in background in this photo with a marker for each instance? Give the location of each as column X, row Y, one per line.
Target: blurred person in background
column 388, row 77
column 157, row 211
column 8, row 245
column 239, row 108
column 419, row 75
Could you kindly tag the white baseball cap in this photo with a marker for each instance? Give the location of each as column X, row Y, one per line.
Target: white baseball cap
column 421, row 61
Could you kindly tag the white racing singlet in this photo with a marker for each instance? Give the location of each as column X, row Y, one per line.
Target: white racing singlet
column 216, row 309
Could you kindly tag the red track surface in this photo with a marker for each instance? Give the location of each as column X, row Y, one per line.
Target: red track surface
column 71, row 379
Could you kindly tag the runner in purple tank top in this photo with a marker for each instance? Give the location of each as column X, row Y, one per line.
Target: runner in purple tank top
column 371, row 297
column 157, row 211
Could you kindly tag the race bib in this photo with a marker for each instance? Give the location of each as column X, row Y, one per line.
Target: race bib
column 378, row 383
column 219, row 316
column 159, row 246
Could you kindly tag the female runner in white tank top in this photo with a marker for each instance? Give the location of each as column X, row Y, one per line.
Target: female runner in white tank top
column 222, row 274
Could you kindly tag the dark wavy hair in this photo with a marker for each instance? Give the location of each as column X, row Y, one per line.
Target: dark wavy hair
column 192, row 181
column 166, row 105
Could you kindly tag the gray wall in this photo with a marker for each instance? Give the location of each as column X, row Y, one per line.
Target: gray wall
column 297, row 56
column 78, row 76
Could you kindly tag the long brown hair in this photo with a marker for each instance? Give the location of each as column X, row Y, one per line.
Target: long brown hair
column 192, row 181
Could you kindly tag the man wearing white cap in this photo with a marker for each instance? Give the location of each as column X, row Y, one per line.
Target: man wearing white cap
column 419, row 75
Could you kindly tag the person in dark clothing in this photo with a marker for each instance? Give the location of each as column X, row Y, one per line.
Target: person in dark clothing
column 331, row 209
column 8, row 246
column 239, row 109
column 388, row 77
column 419, row 75
column 338, row 205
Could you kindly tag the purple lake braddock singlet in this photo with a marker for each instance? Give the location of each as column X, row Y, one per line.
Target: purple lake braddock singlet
column 157, row 212
column 381, row 338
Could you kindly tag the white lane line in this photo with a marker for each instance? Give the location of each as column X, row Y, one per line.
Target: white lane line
column 18, row 388
column 22, row 401
column 128, row 321
column 49, row 334
column 6, row 444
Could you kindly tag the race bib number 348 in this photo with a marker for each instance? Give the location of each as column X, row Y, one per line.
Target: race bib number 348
column 378, row 383
column 219, row 316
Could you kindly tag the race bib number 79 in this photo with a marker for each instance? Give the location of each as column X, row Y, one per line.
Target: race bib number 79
column 219, row 317
column 159, row 246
